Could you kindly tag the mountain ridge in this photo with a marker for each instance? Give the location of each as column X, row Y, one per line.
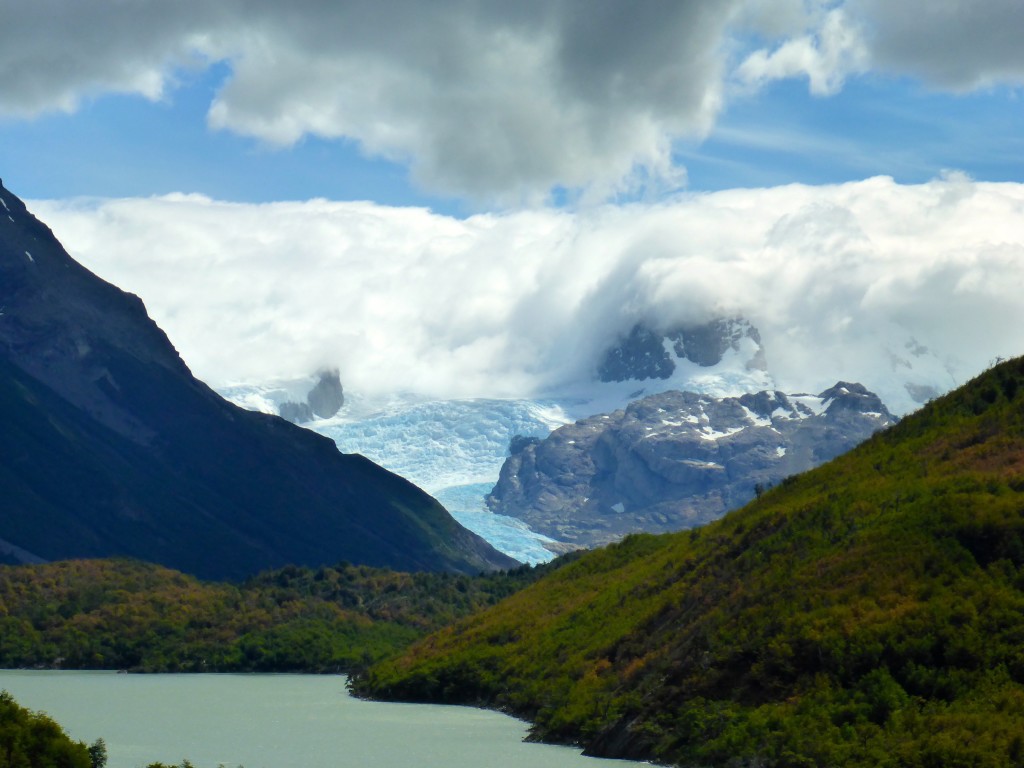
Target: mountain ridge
column 154, row 464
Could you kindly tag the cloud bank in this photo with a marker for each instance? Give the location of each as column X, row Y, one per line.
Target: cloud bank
column 496, row 101
column 860, row 281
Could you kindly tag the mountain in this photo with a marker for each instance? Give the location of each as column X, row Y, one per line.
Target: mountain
column 111, row 447
column 323, row 401
column 869, row 612
column 646, row 353
column 675, row 460
column 455, row 449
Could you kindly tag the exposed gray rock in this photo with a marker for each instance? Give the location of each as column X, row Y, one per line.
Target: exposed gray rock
column 296, row 413
column 641, row 355
column 327, row 397
column 676, row 460
column 324, row 400
column 922, row 393
column 647, row 353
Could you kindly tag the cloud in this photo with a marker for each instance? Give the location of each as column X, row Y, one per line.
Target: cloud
column 55, row 54
column 952, row 44
column 496, row 101
column 827, row 57
column 844, row 282
column 949, row 44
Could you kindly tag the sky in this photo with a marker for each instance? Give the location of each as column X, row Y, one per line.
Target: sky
column 470, row 197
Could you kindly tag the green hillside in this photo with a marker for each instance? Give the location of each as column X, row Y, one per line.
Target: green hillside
column 124, row 614
column 868, row 613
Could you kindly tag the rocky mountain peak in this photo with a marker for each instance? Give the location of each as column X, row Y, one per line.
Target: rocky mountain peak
column 676, row 459
column 323, row 401
column 60, row 322
column 853, row 398
column 653, row 353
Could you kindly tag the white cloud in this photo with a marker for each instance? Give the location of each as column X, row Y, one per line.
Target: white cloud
column 958, row 45
column 827, row 57
column 839, row 279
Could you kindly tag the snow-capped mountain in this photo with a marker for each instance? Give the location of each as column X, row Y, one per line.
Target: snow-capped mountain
column 719, row 358
column 676, row 459
column 455, row 449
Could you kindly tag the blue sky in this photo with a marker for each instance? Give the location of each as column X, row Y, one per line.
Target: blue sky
column 722, row 99
column 874, row 126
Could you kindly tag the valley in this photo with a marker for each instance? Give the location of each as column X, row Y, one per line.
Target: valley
column 507, row 385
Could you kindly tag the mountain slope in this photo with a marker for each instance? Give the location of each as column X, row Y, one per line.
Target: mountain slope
column 867, row 613
column 126, row 614
column 111, row 447
column 676, row 460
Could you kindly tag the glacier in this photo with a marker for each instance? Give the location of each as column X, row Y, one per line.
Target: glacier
column 454, row 449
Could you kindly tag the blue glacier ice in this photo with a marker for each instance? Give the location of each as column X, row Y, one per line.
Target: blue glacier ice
column 454, row 449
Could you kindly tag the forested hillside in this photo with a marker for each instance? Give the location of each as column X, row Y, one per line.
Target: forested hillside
column 867, row 613
column 123, row 614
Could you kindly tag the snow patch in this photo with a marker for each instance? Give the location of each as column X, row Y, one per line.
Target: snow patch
column 709, row 434
column 702, row 464
column 812, row 403
column 753, row 418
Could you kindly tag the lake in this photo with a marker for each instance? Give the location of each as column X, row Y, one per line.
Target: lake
column 275, row 721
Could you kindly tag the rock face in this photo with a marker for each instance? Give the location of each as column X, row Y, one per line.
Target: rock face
column 323, row 401
column 110, row 447
column 676, row 460
column 327, row 397
column 646, row 353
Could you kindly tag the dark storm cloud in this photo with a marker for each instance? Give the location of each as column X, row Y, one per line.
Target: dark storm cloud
column 957, row 44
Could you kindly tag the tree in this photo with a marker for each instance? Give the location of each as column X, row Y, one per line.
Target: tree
column 98, row 754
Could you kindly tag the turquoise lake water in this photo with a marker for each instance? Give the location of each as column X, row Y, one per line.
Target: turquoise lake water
column 275, row 721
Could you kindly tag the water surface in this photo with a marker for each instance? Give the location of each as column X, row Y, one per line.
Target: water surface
column 275, row 721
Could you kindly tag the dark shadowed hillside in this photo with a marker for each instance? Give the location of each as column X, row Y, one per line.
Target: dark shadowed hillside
column 867, row 613
column 109, row 446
